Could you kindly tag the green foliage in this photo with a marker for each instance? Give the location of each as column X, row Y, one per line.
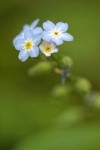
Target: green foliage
column 84, row 138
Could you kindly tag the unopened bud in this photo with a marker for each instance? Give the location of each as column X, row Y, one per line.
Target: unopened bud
column 40, row 68
column 67, row 61
column 60, row 91
column 83, row 85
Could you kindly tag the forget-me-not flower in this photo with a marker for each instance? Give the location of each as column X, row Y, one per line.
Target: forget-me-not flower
column 48, row 48
column 27, row 45
column 56, row 33
column 36, row 30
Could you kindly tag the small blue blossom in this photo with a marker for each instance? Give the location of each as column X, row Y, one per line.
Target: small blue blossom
column 27, row 44
column 36, row 30
column 56, row 33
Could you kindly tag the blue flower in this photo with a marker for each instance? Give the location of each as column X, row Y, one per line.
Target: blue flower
column 27, row 44
column 56, row 33
column 36, row 30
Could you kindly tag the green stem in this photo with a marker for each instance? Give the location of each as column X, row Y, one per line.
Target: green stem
column 57, row 61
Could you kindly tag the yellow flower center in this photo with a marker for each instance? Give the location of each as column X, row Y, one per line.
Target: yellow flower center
column 28, row 45
column 47, row 49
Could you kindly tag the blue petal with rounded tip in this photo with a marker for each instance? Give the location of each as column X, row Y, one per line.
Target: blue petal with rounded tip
column 62, row 26
column 23, row 55
column 34, row 52
column 19, row 44
column 48, row 25
column 14, row 40
column 21, row 35
column 67, row 37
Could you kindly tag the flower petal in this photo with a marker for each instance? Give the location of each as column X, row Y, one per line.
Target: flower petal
column 25, row 27
column 55, row 50
column 34, row 52
column 16, row 38
column 53, row 45
column 37, row 39
column 34, row 24
column 18, row 43
column 57, row 41
column 67, row 37
column 37, row 30
column 45, row 36
column 28, row 34
column 23, row 55
column 48, row 25
column 62, row 26
column 46, row 54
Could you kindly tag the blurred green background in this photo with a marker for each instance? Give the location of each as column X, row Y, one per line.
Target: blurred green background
column 29, row 119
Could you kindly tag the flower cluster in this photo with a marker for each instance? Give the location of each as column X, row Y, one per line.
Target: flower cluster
column 32, row 40
column 28, row 42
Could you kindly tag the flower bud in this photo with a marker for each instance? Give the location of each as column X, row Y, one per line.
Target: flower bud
column 83, row 85
column 60, row 91
column 40, row 68
column 67, row 61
